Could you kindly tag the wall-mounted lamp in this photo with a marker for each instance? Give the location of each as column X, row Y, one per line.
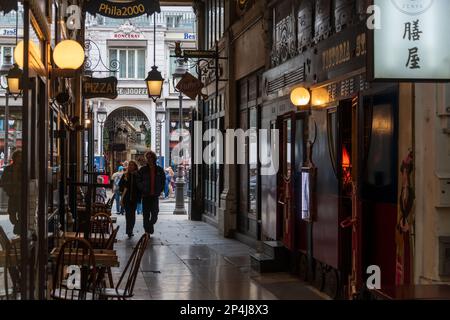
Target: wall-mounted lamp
column 11, row 75
column 14, row 80
column 34, row 57
column 68, row 56
column 300, row 97
column 320, row 97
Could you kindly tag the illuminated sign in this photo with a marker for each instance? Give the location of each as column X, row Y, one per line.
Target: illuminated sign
column 122, row 10
column 413, row 41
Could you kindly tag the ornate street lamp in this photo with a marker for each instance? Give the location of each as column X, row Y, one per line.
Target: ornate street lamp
column 154, row 78
column 13, row 75
column 13, row 80
column 101, row 118
column 180, row 71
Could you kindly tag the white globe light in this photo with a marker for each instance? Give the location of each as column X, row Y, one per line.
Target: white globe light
column 68, row 54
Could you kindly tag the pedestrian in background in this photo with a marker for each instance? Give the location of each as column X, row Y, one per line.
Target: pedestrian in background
column 130, row 195
column 151, row 184
column 116, row 177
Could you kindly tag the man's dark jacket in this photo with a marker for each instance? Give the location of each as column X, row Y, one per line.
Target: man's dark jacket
column 144, row 181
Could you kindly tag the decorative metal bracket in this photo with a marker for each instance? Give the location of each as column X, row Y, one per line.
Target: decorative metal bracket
column 94, row 59
column 205, row 61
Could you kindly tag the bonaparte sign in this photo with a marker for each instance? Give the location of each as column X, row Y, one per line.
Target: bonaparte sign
column 122, row 10
column 100, row 87
column 413, row 41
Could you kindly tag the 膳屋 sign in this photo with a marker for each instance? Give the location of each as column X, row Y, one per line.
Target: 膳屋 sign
column 122, row 10
column 412, row 42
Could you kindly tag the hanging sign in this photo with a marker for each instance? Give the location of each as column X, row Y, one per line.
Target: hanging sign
column 100, row 87
column 122, row 10
column 190, row 86
column 411, row 41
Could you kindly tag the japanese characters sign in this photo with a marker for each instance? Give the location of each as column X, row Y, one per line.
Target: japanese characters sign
column 413, row 40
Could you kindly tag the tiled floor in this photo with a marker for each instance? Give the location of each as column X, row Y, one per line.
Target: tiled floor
column 190, row 260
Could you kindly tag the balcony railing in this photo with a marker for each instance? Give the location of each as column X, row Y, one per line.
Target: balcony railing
column 168, row 19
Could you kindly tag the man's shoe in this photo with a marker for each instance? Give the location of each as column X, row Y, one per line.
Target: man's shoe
column 152, row 230
column 130, row 235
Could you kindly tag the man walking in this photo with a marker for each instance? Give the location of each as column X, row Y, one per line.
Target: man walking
column 151, row 181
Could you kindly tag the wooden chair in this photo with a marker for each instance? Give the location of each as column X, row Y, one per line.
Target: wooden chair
column 109, row 246
column 10, row 265
column 101, row 225
column 129, row 274
column 76, row 253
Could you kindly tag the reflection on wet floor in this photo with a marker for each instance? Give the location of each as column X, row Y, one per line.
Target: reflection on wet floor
column 189, row 260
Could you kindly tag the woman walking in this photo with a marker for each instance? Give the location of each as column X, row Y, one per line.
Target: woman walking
column 130, row 195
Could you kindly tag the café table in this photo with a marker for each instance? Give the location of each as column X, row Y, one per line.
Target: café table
column 96, row 238
column 103, row 258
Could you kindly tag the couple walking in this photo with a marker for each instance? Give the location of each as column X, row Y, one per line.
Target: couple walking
column 145, row 183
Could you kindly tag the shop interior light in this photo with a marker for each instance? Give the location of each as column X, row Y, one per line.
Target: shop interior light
column 300, row 97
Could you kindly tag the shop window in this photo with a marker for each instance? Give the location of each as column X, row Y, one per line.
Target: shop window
column 379, row 163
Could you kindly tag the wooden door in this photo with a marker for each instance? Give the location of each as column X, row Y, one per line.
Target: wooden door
column 286, row 181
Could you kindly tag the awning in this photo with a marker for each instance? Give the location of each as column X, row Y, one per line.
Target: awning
column 122, row 10
column 9, row 5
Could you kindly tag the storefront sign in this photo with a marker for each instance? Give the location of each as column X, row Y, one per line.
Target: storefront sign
column 122, row 10
column 100, row 88
column 189, row 36
column 128, row 31
column 413, row 41
column 132, row 91
column 128, row 36
column 190, row 86
column 199, row 54
column 340, row 54
column 8, row 32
